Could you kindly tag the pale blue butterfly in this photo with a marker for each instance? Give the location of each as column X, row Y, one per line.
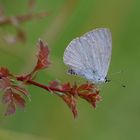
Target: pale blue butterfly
column 89, row 55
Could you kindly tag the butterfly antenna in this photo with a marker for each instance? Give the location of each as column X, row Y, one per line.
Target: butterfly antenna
column 118, row 72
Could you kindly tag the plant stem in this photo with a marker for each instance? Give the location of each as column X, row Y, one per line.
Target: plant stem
column 40, row 85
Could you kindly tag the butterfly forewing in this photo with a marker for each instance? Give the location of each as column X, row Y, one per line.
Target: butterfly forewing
column 101, row 49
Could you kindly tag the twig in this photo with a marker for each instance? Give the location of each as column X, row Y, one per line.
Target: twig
column 21, row 18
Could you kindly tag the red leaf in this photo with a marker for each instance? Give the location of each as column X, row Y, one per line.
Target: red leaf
column 4, row 83
column 20, row 89
column 19, row 101
column 74, row 91
column 92, row 98
column 4, row 72
column 87, row 87
column 11, row 108
column 69, row 89
column 66, row 87
column 71, row 102
column 43, row 61
column 12, row 99
column 54, row 84
column 7, row 97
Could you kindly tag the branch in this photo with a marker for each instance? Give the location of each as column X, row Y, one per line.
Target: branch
column 48, row 88
column 14, row 94
column 21, row 18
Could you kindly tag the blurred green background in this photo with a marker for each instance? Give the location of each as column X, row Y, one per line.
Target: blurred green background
column 46, row 117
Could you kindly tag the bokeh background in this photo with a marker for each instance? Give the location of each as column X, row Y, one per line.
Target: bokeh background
column 46, row 117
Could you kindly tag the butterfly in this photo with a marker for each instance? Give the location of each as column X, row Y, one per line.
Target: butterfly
column 89, row 56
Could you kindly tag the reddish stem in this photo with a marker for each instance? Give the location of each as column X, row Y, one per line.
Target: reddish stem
column 40, row 85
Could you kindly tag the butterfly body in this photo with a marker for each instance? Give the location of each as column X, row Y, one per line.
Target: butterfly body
column 89, row 55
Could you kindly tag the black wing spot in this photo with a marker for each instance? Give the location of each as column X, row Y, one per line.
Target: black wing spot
column 71, row 71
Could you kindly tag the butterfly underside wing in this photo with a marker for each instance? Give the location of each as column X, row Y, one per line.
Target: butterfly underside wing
column 89, row 55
